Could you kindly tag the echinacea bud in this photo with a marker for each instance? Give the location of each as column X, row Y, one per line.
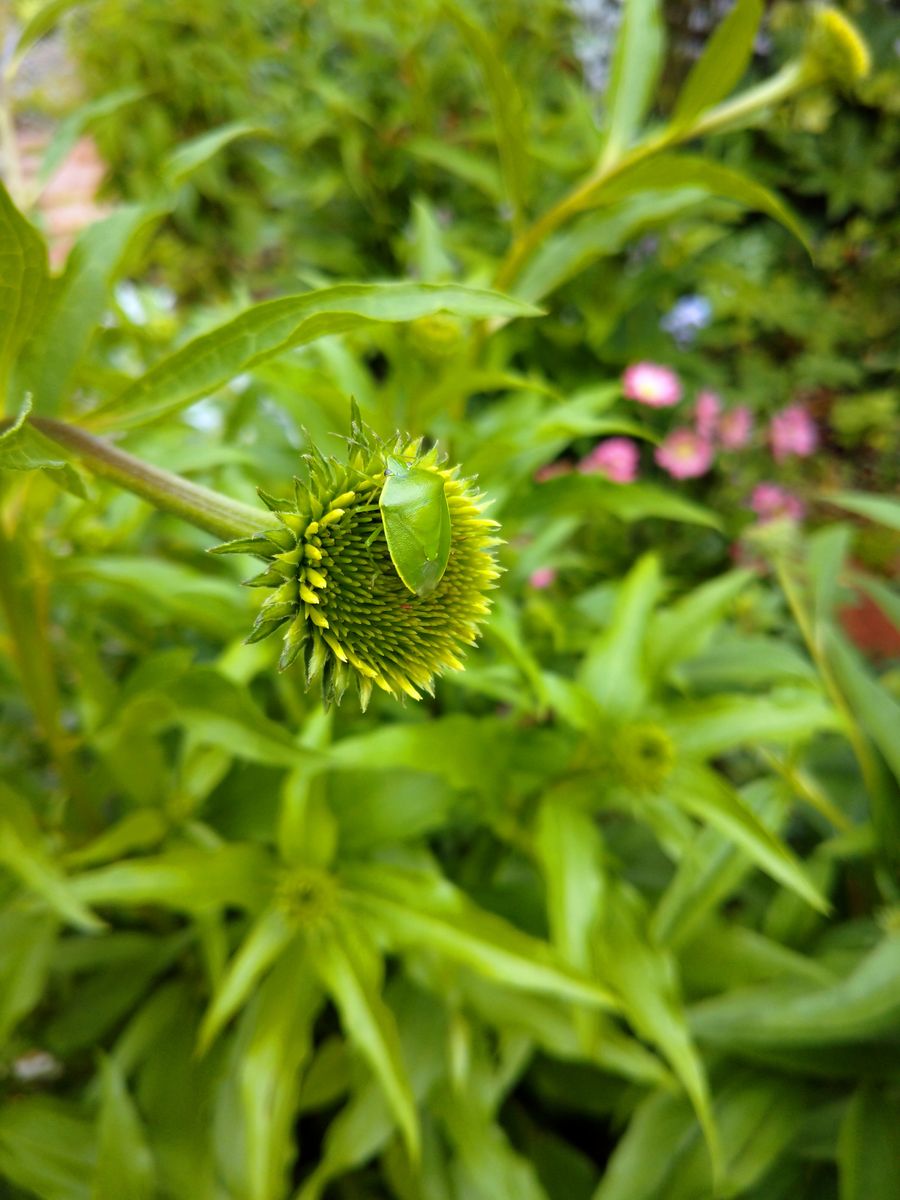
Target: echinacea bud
column 437, row 338
column 337, row 596
column 837, row 48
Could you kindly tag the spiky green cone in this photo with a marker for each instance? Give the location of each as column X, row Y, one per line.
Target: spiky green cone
column 336, row 592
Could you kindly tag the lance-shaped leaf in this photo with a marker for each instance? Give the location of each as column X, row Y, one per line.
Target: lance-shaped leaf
column 709, row 796
column 76, row 303
column 40, row 875
column 868, row 1149
column 350, row 969
column 663, row 171
column 190, row 156
column 275, row 326
column 24, row 448
column 186, row 879
column 267, row 940
column 723, row 62
column 507, row 107
column 644, row 975
column 417, row 909
column 636, row 64
column 23, row 283
column 124, row 1162
column 863, row 1006
column 614, row 669
column 256, row 1103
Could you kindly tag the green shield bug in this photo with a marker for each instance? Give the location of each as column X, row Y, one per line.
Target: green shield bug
column 416, row 520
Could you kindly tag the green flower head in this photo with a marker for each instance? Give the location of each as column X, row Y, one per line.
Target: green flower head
column 837, row 48
column 336, row 595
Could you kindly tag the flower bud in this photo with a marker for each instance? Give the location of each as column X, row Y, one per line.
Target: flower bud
column 336, row 594
column 837, row 48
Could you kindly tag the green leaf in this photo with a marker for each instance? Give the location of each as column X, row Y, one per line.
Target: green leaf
column 32, row 866
column 25, row 448
column 26, row 947
column 465, row 165
column 570, row 852
column 158, row 591
column 275, row 326
column 757, row 1116
column 76, row 304
column 266, row 941
column 881, row 509
column 71, row 127
column 216, row 712
column 684, row 628
column 706, row 728
column 645, row 977
column 351, row 971
column 636, row 64
column 872, row 704
column 709, row 796
column 46, row 1148
column 711, row 870
column 739, row 660
column 507, row 108
column 684, row 170
column 190, row 156
column 124, row 1162
column 366, row 1125
column 185, row 879
column 24, row 276
column 566, row 254
column 777, row 1016
column 142, row 829
column 485, row 1164
column 41, row 23
column 586, row 494
column 614, row 670
column 868, row 1148
column 256, row 1108
column 416, row 909
column 722, row 64
column 469, row 752
column 826, row 557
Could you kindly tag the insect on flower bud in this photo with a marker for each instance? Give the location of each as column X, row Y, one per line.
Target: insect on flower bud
column 338, row 594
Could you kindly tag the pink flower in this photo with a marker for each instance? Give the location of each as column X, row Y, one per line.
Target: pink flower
column 707, row 411
column 616, row 458
column 552, row 471
column 735, row 427
column 685, row 454
column 649, row 383
column 543, row 577
column 793, row 431
column 769, row 502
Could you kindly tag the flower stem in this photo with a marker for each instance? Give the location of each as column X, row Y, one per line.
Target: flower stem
column 792, row 78
column 206, row 509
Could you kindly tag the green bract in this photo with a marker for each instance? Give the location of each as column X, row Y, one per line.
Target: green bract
column 337, row 588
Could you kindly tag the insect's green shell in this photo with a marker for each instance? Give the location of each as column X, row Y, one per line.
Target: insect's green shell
column 416, row 519
column 338, row 595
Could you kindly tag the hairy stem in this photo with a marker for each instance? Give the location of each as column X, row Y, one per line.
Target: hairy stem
column 201, row 506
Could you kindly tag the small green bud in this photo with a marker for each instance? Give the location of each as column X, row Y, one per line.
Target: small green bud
column 438, row 337
column 837, row 48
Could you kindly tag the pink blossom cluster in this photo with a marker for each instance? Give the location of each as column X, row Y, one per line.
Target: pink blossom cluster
column 67, row 203
column 689, row 451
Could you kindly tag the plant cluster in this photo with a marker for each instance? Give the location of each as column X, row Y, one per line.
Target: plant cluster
column 612, row 913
